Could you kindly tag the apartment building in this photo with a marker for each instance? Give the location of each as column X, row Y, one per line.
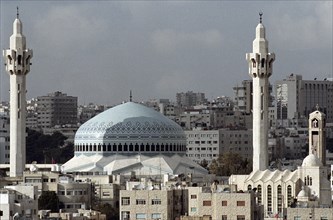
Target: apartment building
column 56, row 109
column 208, row 144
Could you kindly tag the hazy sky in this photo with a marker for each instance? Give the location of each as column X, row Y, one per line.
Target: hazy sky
column 99, row 50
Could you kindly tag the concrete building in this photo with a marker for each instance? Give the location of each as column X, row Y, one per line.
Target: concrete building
column 243, row 96
column 19, row 201
column 4, row 139
column 189, row 99
column 56, row 109
column 297, row 98
column 222, row 202
column 17, row 59
column 209, row 144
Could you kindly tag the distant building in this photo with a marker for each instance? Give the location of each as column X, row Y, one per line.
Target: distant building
column 190, row 98
column 296, row 97
column 209, row 144
column 56, row 109
column 4, row 139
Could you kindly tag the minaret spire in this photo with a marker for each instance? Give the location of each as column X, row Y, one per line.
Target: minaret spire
column 260, row 17
column 17, row 12
column 130, row 96
column 260, row 69
column 17, row 59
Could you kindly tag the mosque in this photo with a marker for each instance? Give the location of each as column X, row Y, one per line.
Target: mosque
column 308, row 186
column 131, row 138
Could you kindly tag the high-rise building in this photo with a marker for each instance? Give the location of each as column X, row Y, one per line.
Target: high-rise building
column 56, row 109
column 190, row 98
column 260, row 69
column 17, row 59
column 296, row 98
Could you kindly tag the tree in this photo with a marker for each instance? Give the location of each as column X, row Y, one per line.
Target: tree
column 230, row 163
column 204, row 163
column 49, row 201
column 110, row 212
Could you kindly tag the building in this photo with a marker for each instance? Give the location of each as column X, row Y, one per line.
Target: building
column 4, row 139
column 130, row 138
column 222, row 202
column 297, row 98
column 56, row 109
column 189, row 99
column 17, row 59
column 19, row 201
column 243, row 96
column 207, row 145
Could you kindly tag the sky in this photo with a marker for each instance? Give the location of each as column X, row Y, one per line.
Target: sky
column 100, row 50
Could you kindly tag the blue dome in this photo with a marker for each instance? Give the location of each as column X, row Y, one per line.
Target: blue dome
column 130, row 127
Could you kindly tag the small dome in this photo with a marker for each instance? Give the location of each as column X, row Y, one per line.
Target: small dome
column 311, row 161
column 302, row 193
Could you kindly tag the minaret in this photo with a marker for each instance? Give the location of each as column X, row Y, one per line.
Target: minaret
column 17, row 59
column 260, row 69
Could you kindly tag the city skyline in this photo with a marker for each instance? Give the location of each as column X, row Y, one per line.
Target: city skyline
column 100, row 51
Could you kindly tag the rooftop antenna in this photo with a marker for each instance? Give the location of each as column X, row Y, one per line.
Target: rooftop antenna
column 317, row 107
column 17, row 12
column 130, row 95
column 260, row 16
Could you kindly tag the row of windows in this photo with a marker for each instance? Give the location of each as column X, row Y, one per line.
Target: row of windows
column 131, row 148
column 127, row 201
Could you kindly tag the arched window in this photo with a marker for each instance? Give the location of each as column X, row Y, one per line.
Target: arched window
column 147, row 148
column 162, row 147
column 289, row 194
column 310, row 181
column 125, row 147
column 95, row 148
column 90, row 148
column 114, row 148
column 305, row 181
column 99, row 147
column 136, row 147
column 269, row 198
column 142, row 147
column 249, row 187
column 152, row 147
column 253, row 63
column 259, row 194
column 157, row 147
column 279, row 198
column 109, row 147
column 166, row 147
column 131, row 147
column 120, row 148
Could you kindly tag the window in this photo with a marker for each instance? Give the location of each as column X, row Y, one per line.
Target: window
column 240, row 203
column 269, row 198
column 259, row 194
column 240, row 217
column 224, row 203
column 125, row 215
column 193, row 209
column 289, row 195
column 297, row 218
column 207, row 203
column 279, row 198
column 141, row 202
column 156, row 216
column 140, row 216
column 156, row 201
column 224, row 217
column 125, row 200
column 193, row 196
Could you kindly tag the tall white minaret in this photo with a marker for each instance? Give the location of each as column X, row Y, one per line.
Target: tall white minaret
column 260, row 69
column 17, row 59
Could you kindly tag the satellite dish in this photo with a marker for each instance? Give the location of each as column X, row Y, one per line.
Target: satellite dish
column 16, row 216
column 33, row 168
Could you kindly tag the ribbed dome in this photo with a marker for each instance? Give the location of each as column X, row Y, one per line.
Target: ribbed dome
column 311, row 161
column 131, row 124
